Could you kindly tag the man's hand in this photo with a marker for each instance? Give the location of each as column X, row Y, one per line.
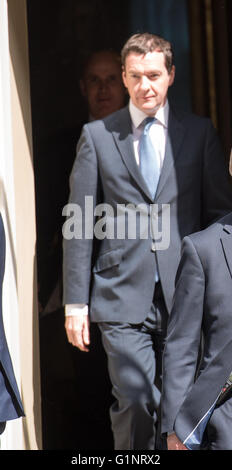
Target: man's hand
column 78, row 333
column 174, row 443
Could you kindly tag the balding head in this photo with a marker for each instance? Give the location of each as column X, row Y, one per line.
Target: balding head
column 102, row 84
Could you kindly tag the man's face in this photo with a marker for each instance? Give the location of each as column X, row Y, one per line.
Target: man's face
column 103, row 86
column 147, row 80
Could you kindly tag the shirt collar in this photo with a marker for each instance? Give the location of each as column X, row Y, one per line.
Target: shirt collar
column 138, row 116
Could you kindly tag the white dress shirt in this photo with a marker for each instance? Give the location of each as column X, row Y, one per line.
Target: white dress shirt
column 158, row 134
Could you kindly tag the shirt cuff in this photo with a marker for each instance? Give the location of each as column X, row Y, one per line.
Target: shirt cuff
column 76, row 309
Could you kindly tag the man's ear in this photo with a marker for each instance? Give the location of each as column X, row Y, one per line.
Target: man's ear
column 172, row 75
column 82, row 87
column 124, row 77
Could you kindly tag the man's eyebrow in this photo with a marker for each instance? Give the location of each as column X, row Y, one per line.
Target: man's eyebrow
column 91, row 75
column 146, row 72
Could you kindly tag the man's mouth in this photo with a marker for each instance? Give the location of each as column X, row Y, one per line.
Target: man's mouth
column 103, row 99
column 147, row 98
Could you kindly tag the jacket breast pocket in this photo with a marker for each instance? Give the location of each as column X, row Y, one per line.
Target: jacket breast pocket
column 108, row 260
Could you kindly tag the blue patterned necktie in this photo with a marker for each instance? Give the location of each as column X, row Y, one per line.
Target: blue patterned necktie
column 148, row 159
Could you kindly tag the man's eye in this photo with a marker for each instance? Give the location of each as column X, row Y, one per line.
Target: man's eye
column 112, row 78
column 93, row 80
column 153, row 76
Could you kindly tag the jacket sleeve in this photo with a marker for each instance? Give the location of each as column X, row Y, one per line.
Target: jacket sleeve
column 78, row 229
column 183, row 335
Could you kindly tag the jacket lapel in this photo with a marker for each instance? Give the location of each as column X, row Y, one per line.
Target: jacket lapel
column 122, row 133
column 123, row 137
column 226, row 241
column 175, row 137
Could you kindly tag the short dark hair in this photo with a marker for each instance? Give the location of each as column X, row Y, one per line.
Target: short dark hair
column 142, row 43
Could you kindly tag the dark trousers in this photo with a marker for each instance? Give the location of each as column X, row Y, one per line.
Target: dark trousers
column 134, row 354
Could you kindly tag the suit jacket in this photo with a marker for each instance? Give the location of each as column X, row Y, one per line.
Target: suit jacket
column 116, row 276
column 202, row 305
column 10, row 402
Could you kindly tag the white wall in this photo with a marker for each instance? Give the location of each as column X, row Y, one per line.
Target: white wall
column 17, row 205
column 12, row 437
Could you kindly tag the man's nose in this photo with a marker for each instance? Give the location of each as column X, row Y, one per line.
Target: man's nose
column 144, row 83
column 103, row 85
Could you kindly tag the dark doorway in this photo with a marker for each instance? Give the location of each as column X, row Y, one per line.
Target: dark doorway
column 75, row 388
column 76, row 392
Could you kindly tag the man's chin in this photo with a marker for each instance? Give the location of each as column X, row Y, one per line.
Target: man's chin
column 150, row 110
column 149, row 107
column 104, row 106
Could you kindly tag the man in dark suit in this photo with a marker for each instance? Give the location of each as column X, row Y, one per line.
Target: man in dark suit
column 202, row 306
column 10, row 402
column 171, row 163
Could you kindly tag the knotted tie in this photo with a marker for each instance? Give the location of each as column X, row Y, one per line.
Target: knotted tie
column 148, row 159
column 149, row 165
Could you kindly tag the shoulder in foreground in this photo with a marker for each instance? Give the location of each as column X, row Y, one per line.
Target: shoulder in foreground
column 214, row 230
